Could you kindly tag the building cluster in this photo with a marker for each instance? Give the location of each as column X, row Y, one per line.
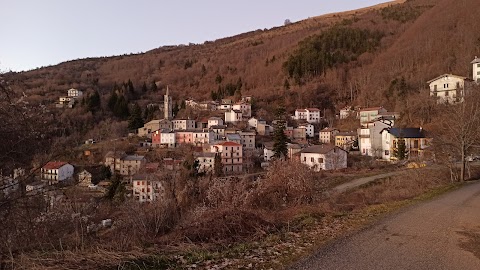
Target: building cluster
column 231, row 138
column 68, row 101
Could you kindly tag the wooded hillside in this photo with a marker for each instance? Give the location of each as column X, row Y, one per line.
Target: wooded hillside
column 327, row 61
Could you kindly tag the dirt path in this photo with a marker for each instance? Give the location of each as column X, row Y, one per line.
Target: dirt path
column 441, row 234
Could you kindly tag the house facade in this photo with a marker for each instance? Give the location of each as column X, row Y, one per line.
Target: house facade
column 370, row 114
column 184, row 137
column 214, row 121
column 233, row 116
column 448, row 88
column 74, row 93
column 164, row 137
column 327, row 135
column 152, row 126
column 345, row 140
column 183, row 124
column 247, row 139
column 309, row 130
column 147, row 188
column 125, row 165
column 244, row 107
column 324, row 157
column 311, row 115
column 56, row 171
column 476, row 70
column 370, row 139
column 232, row 156
column 201, row 137
column 206, row 162
column 253, row 122
column 415, row 140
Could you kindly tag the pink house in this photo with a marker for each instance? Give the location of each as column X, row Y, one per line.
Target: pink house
column 184, row 137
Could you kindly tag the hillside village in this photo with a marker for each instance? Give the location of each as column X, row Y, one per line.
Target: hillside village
column 233, row 141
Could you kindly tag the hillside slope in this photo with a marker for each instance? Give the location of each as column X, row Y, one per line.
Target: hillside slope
column 422, row 38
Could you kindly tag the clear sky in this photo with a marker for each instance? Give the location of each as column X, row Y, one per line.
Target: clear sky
column 37, row 33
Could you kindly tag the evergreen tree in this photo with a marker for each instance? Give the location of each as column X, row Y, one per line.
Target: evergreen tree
column 116, row 190
column 217, row 165
column 279, row 138
column 135, row 120
column 401, row 151
column 175, row 109
column 183, row 105
column 112, row 100
column 153, row 86
column 144, row 87
column 94, row 102
column 286, row 85
column 121, row 108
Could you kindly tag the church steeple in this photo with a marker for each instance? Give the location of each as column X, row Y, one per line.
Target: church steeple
column 167, row 106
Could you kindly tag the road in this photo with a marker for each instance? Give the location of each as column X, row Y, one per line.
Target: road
column 428, row 235
column 362, row 181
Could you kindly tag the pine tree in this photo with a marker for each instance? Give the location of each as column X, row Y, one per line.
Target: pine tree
column 175, row 109
column 93, row 102
column 135, row 120
column 279, row 138
column 121, row 108
column 144, row 87
column 218, row 166
column 401, row 150
column 112, row 100
column 153, row 86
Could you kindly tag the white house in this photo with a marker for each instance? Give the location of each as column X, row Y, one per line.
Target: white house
column 56, row 171
column 309, row 129
column 311, row 115
column 206, row 162
column 448, row 88
column 183, row 124
column 370, row 114
column 233, row 116
column 346, row 112
column 370, row 139
column 147, row 188
column 415, row 140
column 327, row 135
column 163, row 137
column 268, row 151
column 244, row 107
column 324, row 157
column 253, row 122
column 201, row 137
column 476, row 70
column 74, row 93
column 214, row 121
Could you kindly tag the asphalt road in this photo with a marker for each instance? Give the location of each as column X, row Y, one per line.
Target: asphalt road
column 428, row 235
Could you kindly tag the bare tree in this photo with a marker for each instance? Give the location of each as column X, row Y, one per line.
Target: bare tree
column 458, row 131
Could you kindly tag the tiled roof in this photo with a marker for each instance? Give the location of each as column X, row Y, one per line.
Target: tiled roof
column 52, row 165
column 319, row 149
column 229, row 144
column 300, row 110
column 313, row 109
column 447, row 75
column 476, row 60
column 371, row 109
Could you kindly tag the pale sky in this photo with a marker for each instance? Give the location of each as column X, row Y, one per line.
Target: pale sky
column 37, row 33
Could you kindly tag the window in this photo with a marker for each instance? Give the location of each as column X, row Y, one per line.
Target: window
column 312, row 159
column 415, row 144
column 478, row 65
column 304, row 159
column 387, row 152
column 320, row 160
column 446, row 93
column 458, row 85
